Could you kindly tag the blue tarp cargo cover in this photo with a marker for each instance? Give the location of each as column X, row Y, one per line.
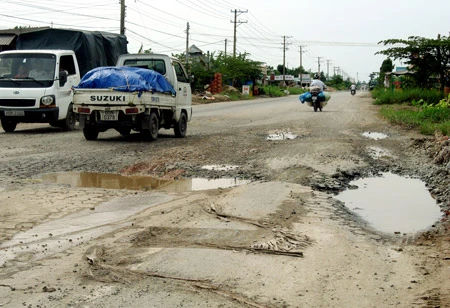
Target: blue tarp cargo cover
column 127, row 79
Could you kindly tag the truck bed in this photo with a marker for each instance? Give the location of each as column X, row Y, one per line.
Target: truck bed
column 114, row 98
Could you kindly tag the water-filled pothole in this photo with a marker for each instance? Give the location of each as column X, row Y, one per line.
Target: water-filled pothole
column 117, row 181
column 392, row 203
column 281, row 136
column 374, row 135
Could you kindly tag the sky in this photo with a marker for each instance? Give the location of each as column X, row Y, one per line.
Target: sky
column 333, row 36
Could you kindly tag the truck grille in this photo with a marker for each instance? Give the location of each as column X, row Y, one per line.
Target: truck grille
column 17, row 102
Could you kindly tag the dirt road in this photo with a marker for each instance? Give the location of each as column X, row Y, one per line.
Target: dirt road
column 76, row 234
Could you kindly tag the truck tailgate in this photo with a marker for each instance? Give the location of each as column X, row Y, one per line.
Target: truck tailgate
column 110, row 97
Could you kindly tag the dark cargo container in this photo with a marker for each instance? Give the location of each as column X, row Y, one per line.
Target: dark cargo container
column 92, row 48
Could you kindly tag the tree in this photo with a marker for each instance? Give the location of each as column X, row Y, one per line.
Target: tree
column 386, row 67
column 426, row 57
column 237, row 69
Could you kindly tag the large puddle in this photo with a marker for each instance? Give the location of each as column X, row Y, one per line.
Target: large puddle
column 117, row 181
column 392, row 203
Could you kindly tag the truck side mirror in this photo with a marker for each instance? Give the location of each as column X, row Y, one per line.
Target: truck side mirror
column 62, row 78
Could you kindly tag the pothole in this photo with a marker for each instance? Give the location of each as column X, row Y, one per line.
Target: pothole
column 220, row 167
column 281, row 136
column 117, row 181
column 392, row 203
column 375, row 135
column 377, row 152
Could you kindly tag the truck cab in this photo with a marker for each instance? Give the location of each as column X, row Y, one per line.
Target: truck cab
column 36, row 87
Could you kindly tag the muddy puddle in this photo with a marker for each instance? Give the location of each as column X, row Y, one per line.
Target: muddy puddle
column 281, row 136
column 146, row 183
column 392, row 204
column 375, row 135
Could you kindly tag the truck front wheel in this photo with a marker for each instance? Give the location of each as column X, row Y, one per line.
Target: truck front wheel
column 90, row 132
column 8, row 125
column 181, row 126
column 68, row 124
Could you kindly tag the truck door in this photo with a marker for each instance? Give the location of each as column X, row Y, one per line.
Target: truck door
column 65, row 84
column 183, row 89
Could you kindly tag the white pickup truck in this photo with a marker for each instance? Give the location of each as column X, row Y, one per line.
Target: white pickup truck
column 101, row 107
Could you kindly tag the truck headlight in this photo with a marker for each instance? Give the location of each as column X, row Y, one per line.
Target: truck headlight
column 48, row 100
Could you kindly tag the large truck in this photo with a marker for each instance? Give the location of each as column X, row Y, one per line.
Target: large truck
column 143, row 92
column 36, row 79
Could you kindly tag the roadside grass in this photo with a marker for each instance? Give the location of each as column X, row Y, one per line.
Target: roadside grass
column 389, row 97
column 425, row 120
column 275, row 91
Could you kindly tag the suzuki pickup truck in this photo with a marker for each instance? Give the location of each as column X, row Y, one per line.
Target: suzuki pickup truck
column 142, row 93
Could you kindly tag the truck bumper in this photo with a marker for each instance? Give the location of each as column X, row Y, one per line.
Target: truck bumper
column 46, row 115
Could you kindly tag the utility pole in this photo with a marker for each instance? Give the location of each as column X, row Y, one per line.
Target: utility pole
column 328, row 68
column 301, row 72
column 284, row 60
column 226, row 41
column 236, row 22
column 122, row 17
column 318, row 65
column 187, row 46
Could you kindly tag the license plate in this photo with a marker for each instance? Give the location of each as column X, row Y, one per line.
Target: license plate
column 109, row 115
column 14, row 113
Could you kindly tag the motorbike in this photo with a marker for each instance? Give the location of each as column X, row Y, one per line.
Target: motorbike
column 316, row 99
column 353, row 92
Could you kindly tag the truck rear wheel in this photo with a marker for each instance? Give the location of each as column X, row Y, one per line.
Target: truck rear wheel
column 8, row 125
column 181, row 126
column 90, row 132
column 152, row 132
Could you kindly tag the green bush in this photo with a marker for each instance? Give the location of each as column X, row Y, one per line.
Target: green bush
column 273, row 91
column 426, row 120
column 389, row 97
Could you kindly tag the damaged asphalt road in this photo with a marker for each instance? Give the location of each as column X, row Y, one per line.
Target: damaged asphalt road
column 280, row 240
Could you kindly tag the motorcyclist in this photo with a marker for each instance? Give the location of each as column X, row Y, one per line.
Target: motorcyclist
column 316, row 82
column 353, row 88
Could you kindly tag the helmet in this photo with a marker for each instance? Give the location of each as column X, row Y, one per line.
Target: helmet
column 316, row 76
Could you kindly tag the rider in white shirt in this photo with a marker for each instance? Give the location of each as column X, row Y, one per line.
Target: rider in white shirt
column 316, row 82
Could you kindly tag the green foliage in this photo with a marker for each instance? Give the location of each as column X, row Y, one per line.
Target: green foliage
column 426, row 57
column 389, row 97
column 296, row 91
column 273, row 91
column 421, row 115
column 338, row 82
column 237, row 69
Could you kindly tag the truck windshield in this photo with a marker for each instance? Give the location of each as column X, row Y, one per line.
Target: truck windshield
column 27, row 70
